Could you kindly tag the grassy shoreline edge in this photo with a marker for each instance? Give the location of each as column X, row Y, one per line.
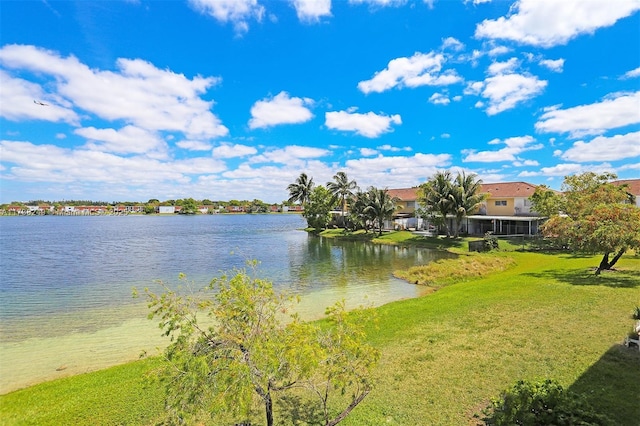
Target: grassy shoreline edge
column 443, row 356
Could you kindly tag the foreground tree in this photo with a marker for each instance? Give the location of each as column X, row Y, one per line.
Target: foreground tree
column 300, row 190
column 342, row 189
column 591, row 215
column 246, row 353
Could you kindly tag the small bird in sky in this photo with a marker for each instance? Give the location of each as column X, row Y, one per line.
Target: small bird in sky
column 40, row 103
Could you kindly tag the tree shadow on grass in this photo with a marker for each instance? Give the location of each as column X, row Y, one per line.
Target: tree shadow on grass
column 300, row 411
column 612, row 385
column 616, row 278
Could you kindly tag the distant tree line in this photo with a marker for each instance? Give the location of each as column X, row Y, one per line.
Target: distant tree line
column 188, row 205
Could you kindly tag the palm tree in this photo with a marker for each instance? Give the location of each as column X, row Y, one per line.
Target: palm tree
column 357, row 215
column 300, row 191
column 467, row 197
column 437, row 195
column 380, row 206
column 343, row 189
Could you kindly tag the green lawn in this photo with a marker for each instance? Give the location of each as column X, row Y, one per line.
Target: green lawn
column 443, row 355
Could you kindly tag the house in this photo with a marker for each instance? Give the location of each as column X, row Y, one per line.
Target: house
column 406, row 200
column 166, row 209
column 506, row 211
column 633, row 188
column 296, row 208
column 507, row 199
column 235, row 209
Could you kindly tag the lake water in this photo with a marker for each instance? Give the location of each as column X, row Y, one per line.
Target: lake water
column 65, row 293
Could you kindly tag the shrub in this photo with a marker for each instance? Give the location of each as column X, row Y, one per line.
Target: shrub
column 541, row 403
column 490, row 241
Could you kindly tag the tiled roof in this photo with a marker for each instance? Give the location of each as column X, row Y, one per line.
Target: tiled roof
column 496, row 190
column 404, row 194
column 508, row 189
column 633, row 185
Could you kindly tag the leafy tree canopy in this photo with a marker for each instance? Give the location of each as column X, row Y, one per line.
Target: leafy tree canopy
column 591, row 215
column 318, row 211
column 248, row 354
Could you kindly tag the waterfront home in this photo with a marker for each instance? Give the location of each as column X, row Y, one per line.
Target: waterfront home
column 507, row 210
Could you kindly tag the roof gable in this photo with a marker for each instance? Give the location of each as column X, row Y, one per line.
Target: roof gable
column 404, row 194
column 508, row 189
column 633, row 185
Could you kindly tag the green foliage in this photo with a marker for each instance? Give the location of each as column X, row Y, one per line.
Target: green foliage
column 436, row 195
column 636, row 313
column 189, row 206
column 596, row 217
column 541, row 403
column 379, row 206
column 249, row 352
column 342, row 189
column 466, row 197
column 443, row 195
column 300, row 191
column 490, row 241
column 318, row 211
column 546, row 202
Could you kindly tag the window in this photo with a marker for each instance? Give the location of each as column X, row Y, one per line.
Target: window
column 501, row 203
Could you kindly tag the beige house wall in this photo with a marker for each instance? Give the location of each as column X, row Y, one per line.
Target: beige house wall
column 493, row 210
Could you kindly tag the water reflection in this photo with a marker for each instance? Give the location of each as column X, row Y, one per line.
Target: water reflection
column 66, row 288
column 341, row 263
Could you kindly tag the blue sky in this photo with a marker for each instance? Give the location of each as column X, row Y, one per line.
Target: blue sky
column 225, row 99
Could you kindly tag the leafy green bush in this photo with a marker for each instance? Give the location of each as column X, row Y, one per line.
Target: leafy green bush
column 490, row 241
column 541, row 403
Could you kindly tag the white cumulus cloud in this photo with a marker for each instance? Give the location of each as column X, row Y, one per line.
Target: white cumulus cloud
column 421, row 69
column 237, row 12
column 513, row 147
column 128, row 140
column 554, row 65
column 603, row 148
column 506, row 91
column 439, row 99
column 618, row 110
column 312, row 10
column 137, row 93
column 548, row 23
column 281, row 109
column 227, row 150
column 369, row 125
column 194, row 145
column 632, row 73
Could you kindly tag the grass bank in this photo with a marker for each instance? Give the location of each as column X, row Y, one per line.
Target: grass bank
column 443, row 356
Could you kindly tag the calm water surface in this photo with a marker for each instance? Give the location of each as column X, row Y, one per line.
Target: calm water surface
column 65, row 292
